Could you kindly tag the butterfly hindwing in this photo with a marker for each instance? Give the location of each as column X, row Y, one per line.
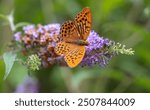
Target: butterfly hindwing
column 73, row 54
column 62, row 48
column 74, row 57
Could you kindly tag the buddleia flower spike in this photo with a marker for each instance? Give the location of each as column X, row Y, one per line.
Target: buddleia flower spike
column 71, row 44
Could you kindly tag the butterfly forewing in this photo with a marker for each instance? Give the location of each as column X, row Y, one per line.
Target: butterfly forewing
column 83, row 23
column 68, row 31
column 78, row 29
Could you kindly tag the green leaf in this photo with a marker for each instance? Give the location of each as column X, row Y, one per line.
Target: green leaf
column 9, row 59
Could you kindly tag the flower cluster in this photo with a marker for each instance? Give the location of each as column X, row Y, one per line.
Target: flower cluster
column 42, row 40
column 97, row 51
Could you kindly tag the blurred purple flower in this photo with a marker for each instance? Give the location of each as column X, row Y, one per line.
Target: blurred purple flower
column 40, row 30
column 35, row 34
column 29, row 85
column 17, row 36
column 28, row 28
column 52, row 27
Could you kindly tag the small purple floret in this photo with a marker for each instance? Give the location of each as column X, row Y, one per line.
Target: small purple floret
column 17, row 36
column 28, row 28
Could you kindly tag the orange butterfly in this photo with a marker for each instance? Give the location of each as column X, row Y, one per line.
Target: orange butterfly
column 73, row 35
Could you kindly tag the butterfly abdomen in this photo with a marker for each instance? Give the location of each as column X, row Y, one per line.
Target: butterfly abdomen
column 82, row 42
column 78, row 42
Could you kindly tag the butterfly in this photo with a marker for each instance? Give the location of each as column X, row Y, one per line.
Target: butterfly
column 73, row 36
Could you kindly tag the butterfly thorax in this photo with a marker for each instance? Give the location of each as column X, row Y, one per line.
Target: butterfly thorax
column 78, row 42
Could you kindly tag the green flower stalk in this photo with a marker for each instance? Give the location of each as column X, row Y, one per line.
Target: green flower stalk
column 119, row 48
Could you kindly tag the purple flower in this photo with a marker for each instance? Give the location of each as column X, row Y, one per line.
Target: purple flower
column 28, row 28
column 17, row 36
column 41, row 30
column 96, row 51
column 52, row 28
column 35, row 34
column 31, row 30
column 29, row 85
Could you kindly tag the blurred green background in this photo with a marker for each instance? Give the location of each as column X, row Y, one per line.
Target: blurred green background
column 124, row 21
